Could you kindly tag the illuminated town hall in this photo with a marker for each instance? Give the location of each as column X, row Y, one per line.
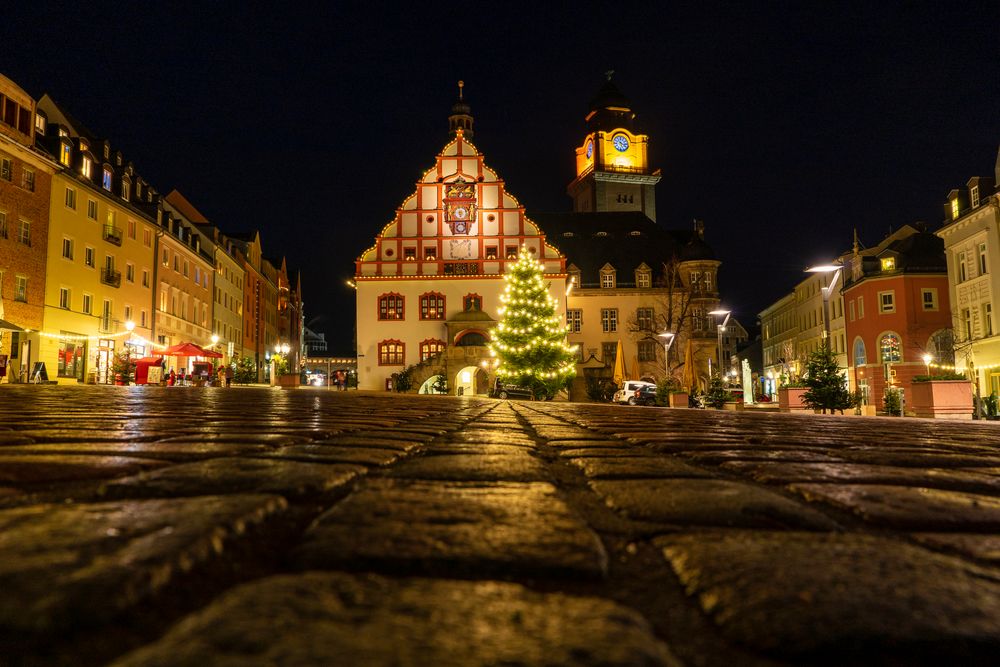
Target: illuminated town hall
column 428, row 288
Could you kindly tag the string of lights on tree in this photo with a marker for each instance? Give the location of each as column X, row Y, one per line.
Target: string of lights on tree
column 530, row 342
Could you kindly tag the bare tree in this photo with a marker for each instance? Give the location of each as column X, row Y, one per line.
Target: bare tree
column 672, row 312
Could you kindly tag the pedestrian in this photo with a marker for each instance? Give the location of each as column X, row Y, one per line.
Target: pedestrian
column 229, row 375
column 172, row 378
column 221, row 375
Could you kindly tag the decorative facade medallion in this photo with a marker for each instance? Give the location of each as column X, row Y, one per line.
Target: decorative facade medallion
column 460, row 248
column 460, row 206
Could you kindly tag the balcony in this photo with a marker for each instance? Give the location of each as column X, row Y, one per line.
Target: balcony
column 113, row 234
column 111, row 277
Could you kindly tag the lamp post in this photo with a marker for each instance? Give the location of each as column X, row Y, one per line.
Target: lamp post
column 722, row 327
column 836, row 270
column 668, row 340
column 927, row 362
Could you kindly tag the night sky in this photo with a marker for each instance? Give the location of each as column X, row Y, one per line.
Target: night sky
column 782, row 126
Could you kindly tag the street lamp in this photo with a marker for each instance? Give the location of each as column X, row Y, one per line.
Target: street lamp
column 215, row 340
column 668, row 340
column 835, row 269
column 722, row 327
column 927, row 361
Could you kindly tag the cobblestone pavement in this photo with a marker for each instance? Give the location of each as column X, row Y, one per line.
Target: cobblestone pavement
column 185, row 526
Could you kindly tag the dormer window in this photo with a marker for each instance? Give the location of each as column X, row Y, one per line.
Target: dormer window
column 126, row 190
column 65, row 152
column 643, row 279
column 40, row 124
column 954, row 208
column 106, row 180
column 87, row 167
column 63, row 132
column 974, row 194
column 107, row 151
column 607, row 278
column 118, row 159
column 888, row 263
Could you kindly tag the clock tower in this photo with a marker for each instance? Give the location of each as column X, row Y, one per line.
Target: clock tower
column 612, row 167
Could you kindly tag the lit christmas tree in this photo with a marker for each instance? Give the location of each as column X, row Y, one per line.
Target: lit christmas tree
column 530, row 342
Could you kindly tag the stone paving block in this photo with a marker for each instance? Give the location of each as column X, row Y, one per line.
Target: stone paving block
column 368, row 456
column 918, row 458
column 564, row 432
column 28, row 469
column 707, row 502
column 786, row 473
column 980, row 547
column 240, row 438
column 601, row 452
column 449, row 526
column 291, row 479
column 476, row 467
column 169, row 451
column 381, row 443
column 910, row 508
column 449, row 447
column 757, row 454
column 479, row 436
column 69, row 564
column 601, row 443
column 845, row 598
column 401, row 435
column 339, row 619
column 629, row 467
column 40, row 435
column 8, row 438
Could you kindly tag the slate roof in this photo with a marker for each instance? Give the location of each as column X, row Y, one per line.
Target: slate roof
column 623, row 240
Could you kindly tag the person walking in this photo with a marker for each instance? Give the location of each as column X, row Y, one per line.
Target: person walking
column 229, row 375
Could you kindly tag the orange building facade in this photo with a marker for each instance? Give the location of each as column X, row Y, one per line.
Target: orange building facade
column 897, row 311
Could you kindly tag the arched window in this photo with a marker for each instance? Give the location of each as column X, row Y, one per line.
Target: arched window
column 860, row 358
column 391, row 353
column 471, row 338
column 432, row 306
column 941, row 346
column 390, row 307
column 890, row 348
column 472, row 302
column 430, row 347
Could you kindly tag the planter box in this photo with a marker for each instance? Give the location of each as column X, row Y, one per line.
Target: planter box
column 678, row 399
column 941, row 399
column 790, row 399
column 287, row 381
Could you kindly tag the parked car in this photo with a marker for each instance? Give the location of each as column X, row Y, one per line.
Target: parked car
column 628, row 389
column 643, row 396
column 501, row 390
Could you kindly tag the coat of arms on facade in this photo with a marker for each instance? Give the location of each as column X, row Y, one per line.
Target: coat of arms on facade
column 460, row 206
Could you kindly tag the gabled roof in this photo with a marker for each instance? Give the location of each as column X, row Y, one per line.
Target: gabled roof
column 185, row 208
column 624, row 240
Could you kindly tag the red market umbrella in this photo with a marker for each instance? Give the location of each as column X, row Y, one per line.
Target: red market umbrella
column 188, row 350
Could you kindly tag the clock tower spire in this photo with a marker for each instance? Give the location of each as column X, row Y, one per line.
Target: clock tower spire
column 461, row 115
column 612, row 166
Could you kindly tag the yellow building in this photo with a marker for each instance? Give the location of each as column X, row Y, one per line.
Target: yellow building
column 100, row 256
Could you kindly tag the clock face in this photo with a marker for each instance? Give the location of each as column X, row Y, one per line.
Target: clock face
column 620, row 142
column 590, row 149
column 461, row 212
column 461, row 227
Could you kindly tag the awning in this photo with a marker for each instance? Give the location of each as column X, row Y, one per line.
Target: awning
column 9, row 326
column 188, row 350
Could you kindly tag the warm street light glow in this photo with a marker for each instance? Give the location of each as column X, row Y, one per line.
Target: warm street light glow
column 928, row 358
column 352, row 284
column 668, row 340
column 824, row 268
column 129, row 326
column 215, row 339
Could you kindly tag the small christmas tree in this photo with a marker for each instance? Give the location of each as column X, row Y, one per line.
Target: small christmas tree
column 530, row 342
column 827, row 390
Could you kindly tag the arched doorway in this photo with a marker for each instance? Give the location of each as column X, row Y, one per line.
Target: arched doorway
column 430, row 385
column 471, row 381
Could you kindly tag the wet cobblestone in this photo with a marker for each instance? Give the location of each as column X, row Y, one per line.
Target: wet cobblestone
column 249, row 526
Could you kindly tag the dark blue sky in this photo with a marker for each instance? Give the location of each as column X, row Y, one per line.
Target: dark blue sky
column 784, row 126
